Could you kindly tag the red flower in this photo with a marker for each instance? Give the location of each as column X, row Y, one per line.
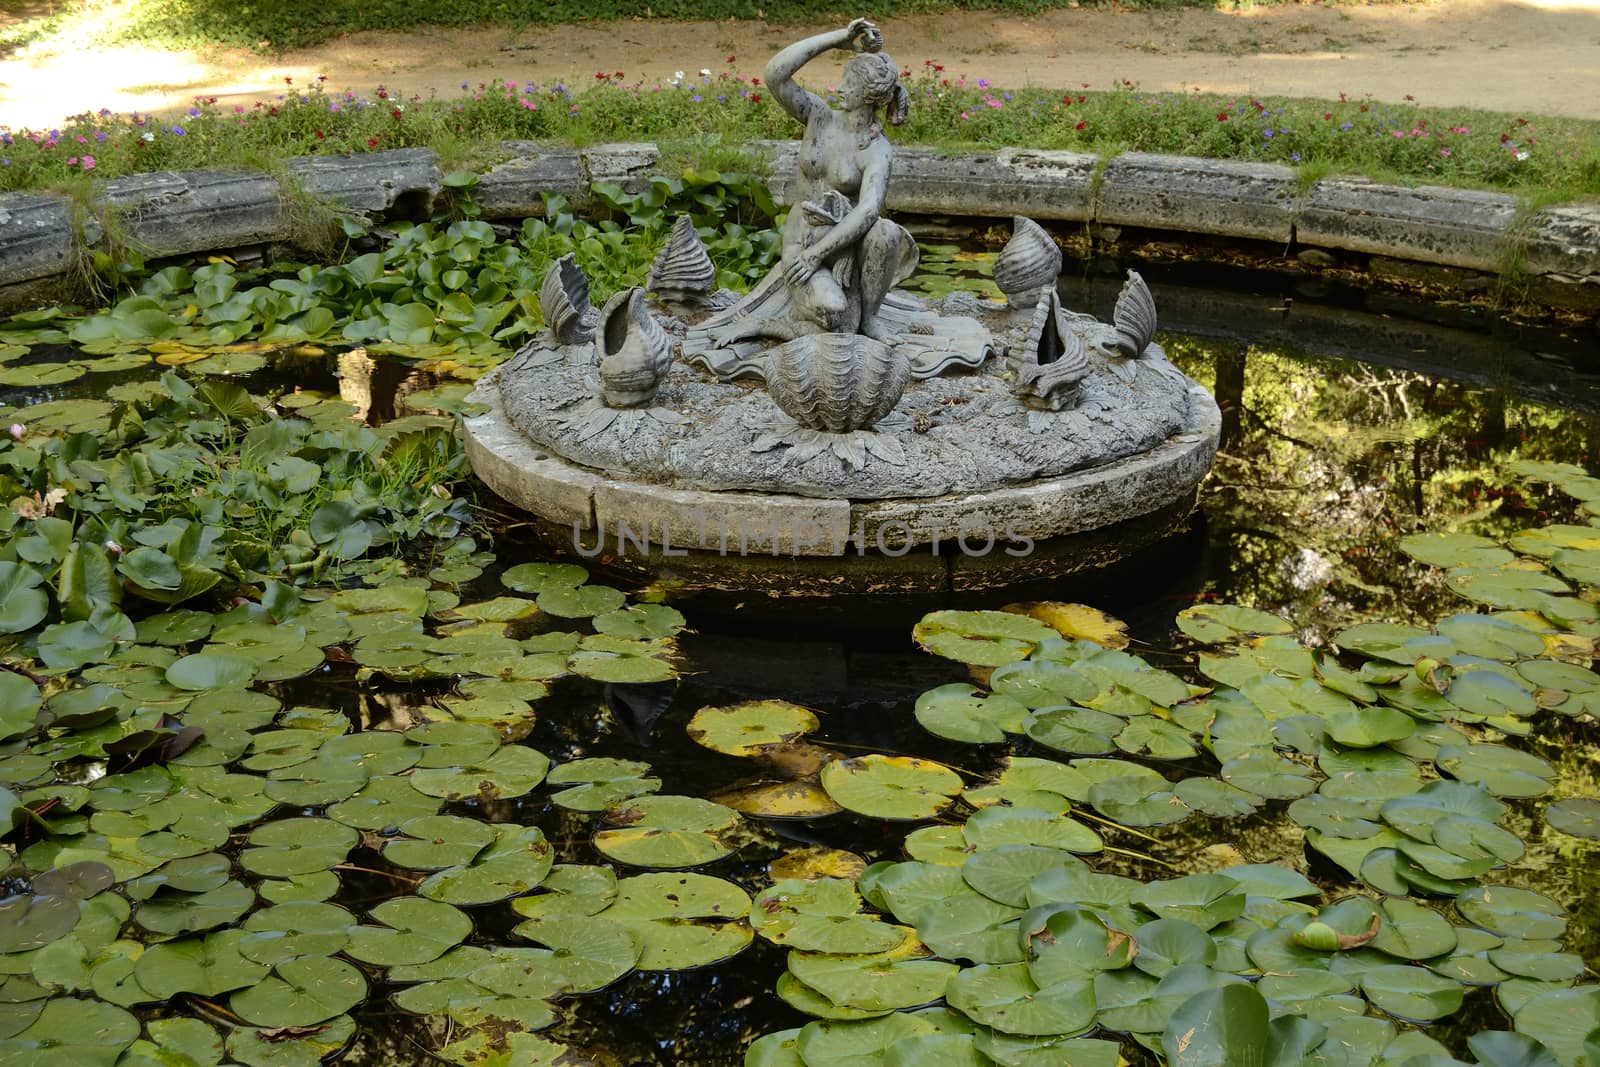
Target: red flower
column 1222, row 116
column 1522, row 122
column 1410, row 97
column 1067, row 99
column 1080, row 125
column 321, row 136
column 755, row 98
column 1081, row 98
column 601, row 75
column 396, row 113
column 322, row 77
column 1327, row 116
column 288, row 80
column 383, row 94
column 372, row 142
column 1363, row 107
column 618, row 75
column 755, row 81
column 938, row 68
column 732, row 58
column 1343, row 99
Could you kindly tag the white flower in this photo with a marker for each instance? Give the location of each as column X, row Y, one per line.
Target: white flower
column 113, row 548
column 705, row 73
column 148, row 136
column 1521, row 156
column 17, row 430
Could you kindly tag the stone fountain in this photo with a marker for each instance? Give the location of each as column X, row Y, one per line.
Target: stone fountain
column 827, row 431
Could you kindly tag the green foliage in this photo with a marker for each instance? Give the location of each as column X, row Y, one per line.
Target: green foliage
column 699, row 118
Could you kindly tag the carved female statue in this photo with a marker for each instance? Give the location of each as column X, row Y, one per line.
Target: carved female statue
column 840, row 257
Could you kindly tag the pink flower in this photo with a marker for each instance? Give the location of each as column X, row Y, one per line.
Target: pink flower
column 88, row 163
column 527, row 104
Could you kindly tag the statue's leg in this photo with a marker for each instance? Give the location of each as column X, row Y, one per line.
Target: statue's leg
column 888, row 256
column 827, row 304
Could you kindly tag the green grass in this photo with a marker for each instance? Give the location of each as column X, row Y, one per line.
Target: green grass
column 1547, row 159
column 272, row 26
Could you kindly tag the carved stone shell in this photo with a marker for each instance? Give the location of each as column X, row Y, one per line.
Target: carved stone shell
column 837, row 382
column 635, row 352
column 1054, row 359
column 1134, row 317
column 682, row 272
column 1029, row 262
column 564, row 299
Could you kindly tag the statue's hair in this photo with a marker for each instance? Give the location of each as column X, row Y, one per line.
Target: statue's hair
column 880, row 78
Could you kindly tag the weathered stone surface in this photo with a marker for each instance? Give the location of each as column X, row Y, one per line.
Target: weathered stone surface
column 1251, row 200
column 524, row 475
column 981, row 523
column 402, row 182
column 35, row 236
column 514, row 189
column 1433, row 224
column 625, row 163
column 170, row 213
column 741, row 524
column 1038, row 183
column 1565, row 240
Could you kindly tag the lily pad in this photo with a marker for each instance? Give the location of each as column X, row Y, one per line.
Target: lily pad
column 301, row 992
column 516, row 862
column 744, row 729
column 891, row 787
column 981, row 638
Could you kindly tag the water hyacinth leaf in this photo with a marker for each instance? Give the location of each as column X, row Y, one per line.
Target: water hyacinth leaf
column 301, row 992
column 1006, row 998
column 744, row 729
column 961, row 712
column 413, row 932
column 891, row 787
column 1411, row 994
column 516, row 862
column 981, row 638
column 1217, row 623
column 69, row 1032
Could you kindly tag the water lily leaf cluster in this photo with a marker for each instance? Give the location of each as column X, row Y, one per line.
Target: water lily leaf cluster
column 1394, row 747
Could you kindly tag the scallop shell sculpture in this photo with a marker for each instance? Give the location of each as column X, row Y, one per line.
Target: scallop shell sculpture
column 683, row 273
column 837, row 382
column 635, row 352
column 1030, row 261
column 1134, row 317
column 564, row 300
column 1055, row 360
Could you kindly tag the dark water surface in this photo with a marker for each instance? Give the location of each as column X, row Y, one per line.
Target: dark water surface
column 1345, row 427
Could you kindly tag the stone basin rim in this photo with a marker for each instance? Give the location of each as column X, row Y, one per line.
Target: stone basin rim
column 600, row 504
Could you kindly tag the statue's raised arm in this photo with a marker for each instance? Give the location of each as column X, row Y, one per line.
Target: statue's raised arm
column 860, row 36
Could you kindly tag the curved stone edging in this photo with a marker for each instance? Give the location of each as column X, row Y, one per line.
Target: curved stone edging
column 170, row 213
column 759, row 523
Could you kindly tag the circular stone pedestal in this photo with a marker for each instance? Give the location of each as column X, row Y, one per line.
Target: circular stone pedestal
column 820, row 545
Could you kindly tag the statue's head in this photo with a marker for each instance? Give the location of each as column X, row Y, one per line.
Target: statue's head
column 873, row 78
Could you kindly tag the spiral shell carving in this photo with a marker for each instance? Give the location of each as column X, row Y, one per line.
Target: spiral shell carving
column 682, row 272
column 564, row 299
column 1134, row 317
column 1029, row 261
column 635, row 352
column 1055, row 360
column 837, row 382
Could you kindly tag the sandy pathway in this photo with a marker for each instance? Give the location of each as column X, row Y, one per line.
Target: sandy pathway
column 1542, row 56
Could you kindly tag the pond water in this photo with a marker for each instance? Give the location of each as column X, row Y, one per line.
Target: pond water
column 1326, row 462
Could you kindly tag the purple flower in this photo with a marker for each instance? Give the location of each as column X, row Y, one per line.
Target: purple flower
column 983, row 83
column 1346, row 125
column 177, row 131
column 4, row 162
column 1267, row 133
column 100, row 135
column 194, row 112
column 5, row 138
column 696, row 98
column 1294, row 157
